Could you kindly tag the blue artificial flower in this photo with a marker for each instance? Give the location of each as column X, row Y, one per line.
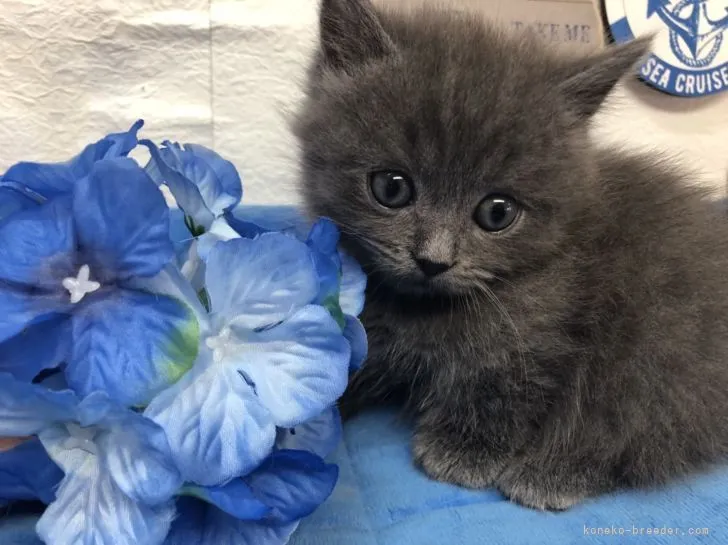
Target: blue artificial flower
column 119, row 479
column 204, row 184
column 50, row 180
column 319, row 435
column 289, row 485
column 28, row 473
column 68, row 270
column 338, row 272
column 270, row 358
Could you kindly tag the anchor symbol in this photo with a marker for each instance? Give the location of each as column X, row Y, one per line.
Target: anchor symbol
column 696, row 30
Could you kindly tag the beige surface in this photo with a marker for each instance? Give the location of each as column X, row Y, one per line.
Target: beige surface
column 223, row 73
column 569, row 23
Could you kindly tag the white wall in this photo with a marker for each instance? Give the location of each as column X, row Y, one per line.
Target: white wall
column 223, row 73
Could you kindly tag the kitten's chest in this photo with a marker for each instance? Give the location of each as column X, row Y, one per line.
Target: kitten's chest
column 401, row 334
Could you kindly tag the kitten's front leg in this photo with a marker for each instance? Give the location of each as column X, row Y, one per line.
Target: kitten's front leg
column 553, row 483
column 445, row 455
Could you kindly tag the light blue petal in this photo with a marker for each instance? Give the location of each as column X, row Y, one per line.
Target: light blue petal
column 167, row 166
column 320, row 435
column 357, row 336
column 235, row 498
column 229, row 188
column 299, row 368
column 294, row 483
column 256, row 283
column 218, row 231
column 91, row 509
column 353, row 286
column 122, row 221
column 28, row 473
column 131, row 368
column 217, row 428
column 40, row 346
column 26, row 409
column 203, row 183
column 37, row 245
column 136, row 454
column 199, row 523
column 51, row 180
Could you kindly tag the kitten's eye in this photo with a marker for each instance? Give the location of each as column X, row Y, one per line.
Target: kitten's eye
column 496, row 212
column 391, row 189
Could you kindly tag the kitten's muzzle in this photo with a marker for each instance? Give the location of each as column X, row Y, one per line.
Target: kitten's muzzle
column 432, row 268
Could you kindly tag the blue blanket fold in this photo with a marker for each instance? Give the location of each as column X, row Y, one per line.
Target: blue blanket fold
column 382, row 499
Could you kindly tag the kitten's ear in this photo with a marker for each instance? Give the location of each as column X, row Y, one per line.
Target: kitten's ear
column 351, row 33
column 589, row 80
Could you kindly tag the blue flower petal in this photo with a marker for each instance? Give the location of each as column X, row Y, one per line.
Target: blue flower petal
column 357, row 336
column 36, row 245
column 171, row 282
column 23, row 309
column 26, row 409
column 136, row 454
column 28, row 473
column 353, row 286
column 217, row 428
column 230, row 184
column 113, row 145
column 322, row 240
column 40, row 346
column 294, row 483
column 131, row 368
column 91, row 508
column 14, row 199
column 253, row 220
column 219, row 231
column 51, row 180
column 273, row 276
column 320, row 435
column 235, row 498
column 199, row 523
column 127, row 243
column 203, row 183
column 299, row 368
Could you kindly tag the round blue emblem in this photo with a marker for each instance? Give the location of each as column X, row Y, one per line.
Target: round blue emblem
column 690, row 54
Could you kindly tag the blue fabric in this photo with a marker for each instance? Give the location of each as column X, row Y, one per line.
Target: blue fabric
column 382, row 500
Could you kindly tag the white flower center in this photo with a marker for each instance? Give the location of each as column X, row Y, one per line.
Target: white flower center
column 81, row 285
column 221, row 345
column 80, row 438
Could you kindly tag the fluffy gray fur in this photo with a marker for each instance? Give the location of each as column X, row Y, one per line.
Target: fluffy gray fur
column 581, row 350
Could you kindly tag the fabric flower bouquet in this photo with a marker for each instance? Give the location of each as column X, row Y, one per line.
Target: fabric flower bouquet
column 172, row 370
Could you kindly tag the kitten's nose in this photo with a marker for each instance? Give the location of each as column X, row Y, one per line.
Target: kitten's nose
column 432, row 268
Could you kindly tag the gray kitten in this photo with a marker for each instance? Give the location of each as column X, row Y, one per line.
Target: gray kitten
column 554, row 312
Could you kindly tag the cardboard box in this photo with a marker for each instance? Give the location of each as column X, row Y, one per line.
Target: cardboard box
column 572, row 24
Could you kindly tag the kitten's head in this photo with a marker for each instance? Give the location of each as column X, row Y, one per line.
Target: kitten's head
column 449, row 153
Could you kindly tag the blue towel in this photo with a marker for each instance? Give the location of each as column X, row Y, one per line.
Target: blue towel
column 382, row 499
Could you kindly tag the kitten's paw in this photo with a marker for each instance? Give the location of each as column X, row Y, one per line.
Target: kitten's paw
column 531, row 489
column 454, row 463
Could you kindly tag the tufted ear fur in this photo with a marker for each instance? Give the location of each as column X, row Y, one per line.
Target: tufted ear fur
column 351, row 34
column 589, row 80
